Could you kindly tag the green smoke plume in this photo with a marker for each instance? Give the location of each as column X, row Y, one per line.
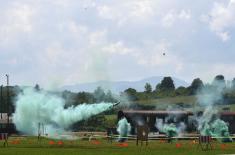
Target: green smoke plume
column 170, row 129
column 123, row 128
column 209, row 124
column 33, row 107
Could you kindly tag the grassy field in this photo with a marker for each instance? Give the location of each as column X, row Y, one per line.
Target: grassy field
column 170, row 100
column 30, row 146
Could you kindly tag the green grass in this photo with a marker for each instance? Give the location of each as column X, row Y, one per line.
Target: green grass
column 30, row 146
column 111, row 120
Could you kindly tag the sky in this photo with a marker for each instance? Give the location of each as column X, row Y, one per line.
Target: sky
column 63, row 42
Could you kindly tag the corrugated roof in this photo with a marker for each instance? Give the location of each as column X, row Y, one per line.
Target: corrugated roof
column 161, row 112
column 227, row 113
column 156, row 112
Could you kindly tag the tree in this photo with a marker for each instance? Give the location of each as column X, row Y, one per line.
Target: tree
column 132, row 93
column 196, row 85
column 219, row 82
column 233, row 84
column 219, row 78
column 109, row 97
column 181, row 91
column 37, row 87
column 99, row 94
column 148, row 88
column 84, row 97
column 157, row 88
column 167, row 84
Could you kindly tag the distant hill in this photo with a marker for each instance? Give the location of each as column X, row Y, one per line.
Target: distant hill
column 118, row 86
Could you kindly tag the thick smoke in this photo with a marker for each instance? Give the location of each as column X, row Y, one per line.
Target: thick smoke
column 170, row 129
column 123, row 128
column 209, row 124
column 34, row 107
column 172, row 126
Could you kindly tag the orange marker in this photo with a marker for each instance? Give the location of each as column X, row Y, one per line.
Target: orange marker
column 178, row 145
column 222, row 146
column 122, row 144
column 60, row 143
column 96, row 142
column 51, row 142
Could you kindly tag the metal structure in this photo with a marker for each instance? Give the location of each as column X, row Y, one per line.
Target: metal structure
column 111, row 132
column 41, row 130
column 4, row 137
column 205, row 142
column 142, row 134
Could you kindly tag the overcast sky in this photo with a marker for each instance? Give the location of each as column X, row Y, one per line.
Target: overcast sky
column 58, row 42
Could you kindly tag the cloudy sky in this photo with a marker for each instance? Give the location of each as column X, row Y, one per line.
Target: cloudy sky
column 74, row 41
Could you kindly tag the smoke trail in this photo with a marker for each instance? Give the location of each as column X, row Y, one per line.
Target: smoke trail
column 123, row 128
column 33, row 107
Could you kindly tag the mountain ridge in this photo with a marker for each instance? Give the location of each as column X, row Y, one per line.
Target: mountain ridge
column 118, row 86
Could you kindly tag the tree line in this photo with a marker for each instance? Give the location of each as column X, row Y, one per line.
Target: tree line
column 166, row 88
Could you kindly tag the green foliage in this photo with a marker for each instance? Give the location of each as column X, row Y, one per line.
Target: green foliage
column 99, row 94
column 111, row 120
column 94, row 123
column 84, row 97
column 196, row 85
column 181, row 91
column 37, row 87
column 131, row 93
column 109, row 97
column 148, row 88
column 158, row 87
column 167, row 84
column 233, row 84
column 219, row 82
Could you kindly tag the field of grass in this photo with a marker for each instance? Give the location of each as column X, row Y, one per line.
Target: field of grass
column 111, row 120
column 30, row 146
column 169, row 100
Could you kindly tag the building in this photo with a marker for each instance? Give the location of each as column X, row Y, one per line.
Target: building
column 4, row 124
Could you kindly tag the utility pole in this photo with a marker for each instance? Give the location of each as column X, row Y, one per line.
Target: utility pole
column 8, row 105
column 1, row 102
